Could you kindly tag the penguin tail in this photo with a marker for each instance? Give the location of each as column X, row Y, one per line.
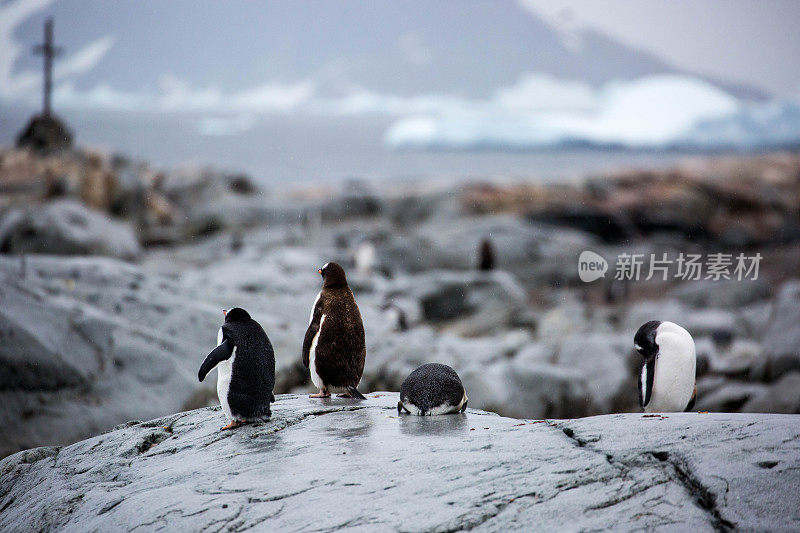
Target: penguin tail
column 355, row 394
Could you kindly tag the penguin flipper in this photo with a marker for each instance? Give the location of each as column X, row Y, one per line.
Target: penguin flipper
column 311, row 332
column 355, row 394
column 464, row 407
column 217, row 355
column 692, row 401
column 646, row 377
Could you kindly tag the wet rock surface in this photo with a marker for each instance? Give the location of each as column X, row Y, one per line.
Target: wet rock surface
column 322, row 465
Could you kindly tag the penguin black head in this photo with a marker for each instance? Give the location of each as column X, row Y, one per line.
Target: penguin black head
column 235, row 314
column 333, row 275
column 645, row 339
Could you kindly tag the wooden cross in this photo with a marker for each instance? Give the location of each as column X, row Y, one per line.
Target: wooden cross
column 49, row 51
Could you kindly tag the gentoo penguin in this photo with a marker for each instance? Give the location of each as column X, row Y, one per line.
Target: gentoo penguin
column 667, row 374
column 432, row 389
column 486, row 255
column 334, row 348
column 394, row 314
column 364, row 258
column 245, row 365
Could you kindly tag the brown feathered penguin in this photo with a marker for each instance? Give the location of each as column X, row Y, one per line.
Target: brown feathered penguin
column 334, row 348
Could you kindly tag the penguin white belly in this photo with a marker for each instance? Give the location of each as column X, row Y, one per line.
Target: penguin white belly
column 312, row 357
column 224, row 371
column 411, row 408
column 673, row 384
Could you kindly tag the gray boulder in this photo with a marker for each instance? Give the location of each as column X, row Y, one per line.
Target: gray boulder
column 602, row 360
column 471, row 303
column 90, row 342
column 66, row 227
column 698, row 322
column 740, row 358
column 525, row 249
column 517, row 388
column 731, row 294
column 721, row 395
column 782, row 337
column 783, row 396
column 342, row 464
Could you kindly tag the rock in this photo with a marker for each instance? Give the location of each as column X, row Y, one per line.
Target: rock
column 698, row 322
column 730, row 294
column 352, row 462
column 35, row 358
column 755, row 318
column 232, row 211
column 116, row 346
column 472, row 303
column 608, row 226
column 567, row 318
column 783, row 396
column 410, row 209
column 726, row 396
column 782, row 337
column 356, row 200
column 522, row 388
column 602, row 360
column 742, row 358
column 519, row 245
column 66, row 227
column 45, row 133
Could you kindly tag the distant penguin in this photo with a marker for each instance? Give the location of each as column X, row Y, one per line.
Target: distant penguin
column 237, row 242
column 667, row 374
column 364, row 258
column 334, row 348
column 395, row 315
column 245, row 365
column 486, row 255
column 432, row 389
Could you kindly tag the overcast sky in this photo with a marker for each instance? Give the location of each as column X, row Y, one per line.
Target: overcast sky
column 755, row 42
column 752, row 41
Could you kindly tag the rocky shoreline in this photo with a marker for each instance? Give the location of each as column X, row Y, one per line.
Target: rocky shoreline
column 134, row 298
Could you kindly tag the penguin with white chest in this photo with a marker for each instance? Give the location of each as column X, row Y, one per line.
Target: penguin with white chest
column 432, row 389
column 334, row 347
column 667, row 374
column 245, row 364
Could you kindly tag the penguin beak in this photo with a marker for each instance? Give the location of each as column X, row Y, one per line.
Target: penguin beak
column 319, row 271
column 224, row 312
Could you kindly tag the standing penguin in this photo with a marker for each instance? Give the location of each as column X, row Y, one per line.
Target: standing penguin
column 432, row 389
column 246, row 368
column 486, row 255
column 667, row 375
column 334, row 348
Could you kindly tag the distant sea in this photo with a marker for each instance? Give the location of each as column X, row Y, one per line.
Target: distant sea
column 289, row 150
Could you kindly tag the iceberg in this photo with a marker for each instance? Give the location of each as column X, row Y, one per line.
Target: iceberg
column 654, row 112
column 754, row 127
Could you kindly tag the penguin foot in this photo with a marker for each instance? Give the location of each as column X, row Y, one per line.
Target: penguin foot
column 320, row 394
column 233, row 425
column 352, row 393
